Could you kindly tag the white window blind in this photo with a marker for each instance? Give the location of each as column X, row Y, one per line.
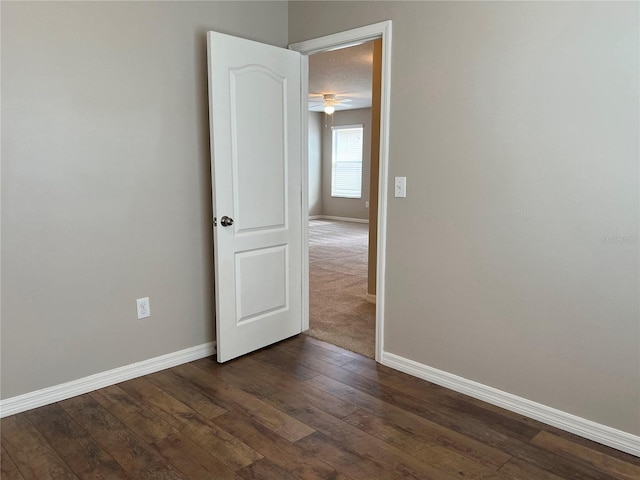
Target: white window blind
column 346, row 165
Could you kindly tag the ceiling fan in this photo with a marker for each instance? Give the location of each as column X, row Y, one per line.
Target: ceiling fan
column 326, row 100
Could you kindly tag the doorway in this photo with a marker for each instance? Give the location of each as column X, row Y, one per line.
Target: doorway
column 342, row 190
column 273, row 279
column 334, row 42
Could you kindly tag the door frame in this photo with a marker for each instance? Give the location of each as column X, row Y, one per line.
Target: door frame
column 327, row 43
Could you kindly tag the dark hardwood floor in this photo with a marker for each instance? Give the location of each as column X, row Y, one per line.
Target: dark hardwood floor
column 302, row 409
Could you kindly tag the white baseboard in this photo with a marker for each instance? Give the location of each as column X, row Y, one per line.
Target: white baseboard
column 371, row 298
column 46, row 396
column 603, row 434
column 341, row 219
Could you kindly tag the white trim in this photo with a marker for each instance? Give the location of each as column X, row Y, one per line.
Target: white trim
column 597, row 432
column 342, row 40
column 371, row 298
column 340, row 219
column 304, row 182
column 46, row 396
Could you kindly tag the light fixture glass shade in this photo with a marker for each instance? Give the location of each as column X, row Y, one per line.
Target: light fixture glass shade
column 329, row 109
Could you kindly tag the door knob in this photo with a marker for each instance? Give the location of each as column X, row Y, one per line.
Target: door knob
column 226, row 221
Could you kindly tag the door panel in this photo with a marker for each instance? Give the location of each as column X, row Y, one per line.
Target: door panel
column 260, row 193
column 256, row 138
column 261, row 280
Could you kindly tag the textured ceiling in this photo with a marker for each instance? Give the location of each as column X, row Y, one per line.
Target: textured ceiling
column 345, row 72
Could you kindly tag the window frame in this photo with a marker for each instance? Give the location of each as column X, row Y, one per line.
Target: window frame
column 335, row 129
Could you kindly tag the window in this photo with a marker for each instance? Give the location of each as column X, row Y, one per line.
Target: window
column 346, row 161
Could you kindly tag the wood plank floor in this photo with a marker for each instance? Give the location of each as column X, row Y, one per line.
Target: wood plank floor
column 302, row 409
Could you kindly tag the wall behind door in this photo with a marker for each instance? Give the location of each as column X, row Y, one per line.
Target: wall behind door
column 315, row 162
column 106, row 181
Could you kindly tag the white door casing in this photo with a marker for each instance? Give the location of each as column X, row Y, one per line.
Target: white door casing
column 335, row 41
column 256, row 159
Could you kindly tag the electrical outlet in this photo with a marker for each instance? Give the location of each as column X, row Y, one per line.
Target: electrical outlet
column 144, row 307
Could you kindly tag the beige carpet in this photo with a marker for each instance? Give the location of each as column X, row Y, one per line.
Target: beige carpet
column 338, row 310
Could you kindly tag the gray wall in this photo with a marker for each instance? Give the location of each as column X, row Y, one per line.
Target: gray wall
column 315, row 163
column 106, row 192
column 514, row 259
column 346, row 207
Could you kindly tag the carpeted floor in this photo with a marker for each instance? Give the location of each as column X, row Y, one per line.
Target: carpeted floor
column 338, row 310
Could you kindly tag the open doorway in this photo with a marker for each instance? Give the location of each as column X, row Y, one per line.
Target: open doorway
column 344, row 127
column 356, row 36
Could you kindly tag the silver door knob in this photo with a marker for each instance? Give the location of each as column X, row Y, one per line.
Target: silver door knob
column 226, row 221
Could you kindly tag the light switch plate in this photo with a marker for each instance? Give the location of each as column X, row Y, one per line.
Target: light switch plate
column 400, row 190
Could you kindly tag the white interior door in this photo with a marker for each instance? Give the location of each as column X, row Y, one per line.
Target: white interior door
column 256, row 164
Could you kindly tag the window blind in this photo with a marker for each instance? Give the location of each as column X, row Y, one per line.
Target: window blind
column 346, row 171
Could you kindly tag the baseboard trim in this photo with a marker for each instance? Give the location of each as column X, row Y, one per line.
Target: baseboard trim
column 371, row 298
column 341, row 219
column 56, row 393
column 603, row 434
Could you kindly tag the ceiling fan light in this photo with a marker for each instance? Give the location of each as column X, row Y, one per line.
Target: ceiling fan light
column 329, row 109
